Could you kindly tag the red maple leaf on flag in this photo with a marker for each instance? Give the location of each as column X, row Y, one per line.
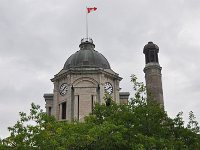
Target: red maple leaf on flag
column 91, row 9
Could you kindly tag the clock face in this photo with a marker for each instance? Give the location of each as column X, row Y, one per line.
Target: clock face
column 63, row 89
column 108, row 87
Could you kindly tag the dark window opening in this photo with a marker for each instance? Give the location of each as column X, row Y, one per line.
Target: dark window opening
column 152, row 56
column 92, row 103
column 64, row 110
column 49, row 111
column 59, row 111
column 156, row 57
column 147, row 59
column 78, row 108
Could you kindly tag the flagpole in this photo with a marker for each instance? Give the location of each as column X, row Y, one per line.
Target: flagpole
column 86, row 23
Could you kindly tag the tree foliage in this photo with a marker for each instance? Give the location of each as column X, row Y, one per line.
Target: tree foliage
column 140, row 125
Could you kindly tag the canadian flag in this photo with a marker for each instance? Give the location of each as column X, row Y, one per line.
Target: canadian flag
column 91, row 9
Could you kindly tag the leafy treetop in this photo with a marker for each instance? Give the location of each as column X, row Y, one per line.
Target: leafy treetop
column 138, row 125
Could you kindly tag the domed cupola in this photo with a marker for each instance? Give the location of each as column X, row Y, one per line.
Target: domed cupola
column 151, row 52
column 86, row 57
column 83, row 81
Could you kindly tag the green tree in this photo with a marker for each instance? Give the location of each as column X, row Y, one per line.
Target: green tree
column 141, row 125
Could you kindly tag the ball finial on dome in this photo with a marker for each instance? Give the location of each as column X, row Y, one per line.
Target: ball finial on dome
column 87, row 43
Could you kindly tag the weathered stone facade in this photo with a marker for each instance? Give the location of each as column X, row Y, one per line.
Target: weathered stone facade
column 81, row 83
column 153, row 74
column 87, row 76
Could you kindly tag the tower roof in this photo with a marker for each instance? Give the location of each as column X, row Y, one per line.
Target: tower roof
column 150, row 46
column 86, row 57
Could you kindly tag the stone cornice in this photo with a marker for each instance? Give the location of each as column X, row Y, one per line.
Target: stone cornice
column 64, row 73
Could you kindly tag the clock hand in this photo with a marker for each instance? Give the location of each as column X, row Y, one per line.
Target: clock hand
column 64, row 88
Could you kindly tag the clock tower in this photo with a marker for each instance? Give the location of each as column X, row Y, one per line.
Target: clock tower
column 83, row 81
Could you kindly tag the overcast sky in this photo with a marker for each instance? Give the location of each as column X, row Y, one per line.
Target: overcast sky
column 37, row 37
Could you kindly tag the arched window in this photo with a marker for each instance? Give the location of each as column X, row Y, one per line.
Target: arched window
column 152, row 56
column 64, row 110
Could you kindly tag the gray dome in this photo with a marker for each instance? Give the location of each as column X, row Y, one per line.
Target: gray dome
column 86, row 57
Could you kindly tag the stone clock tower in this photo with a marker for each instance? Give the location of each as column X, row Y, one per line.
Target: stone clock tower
column 83, row 81
column 152, row 72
